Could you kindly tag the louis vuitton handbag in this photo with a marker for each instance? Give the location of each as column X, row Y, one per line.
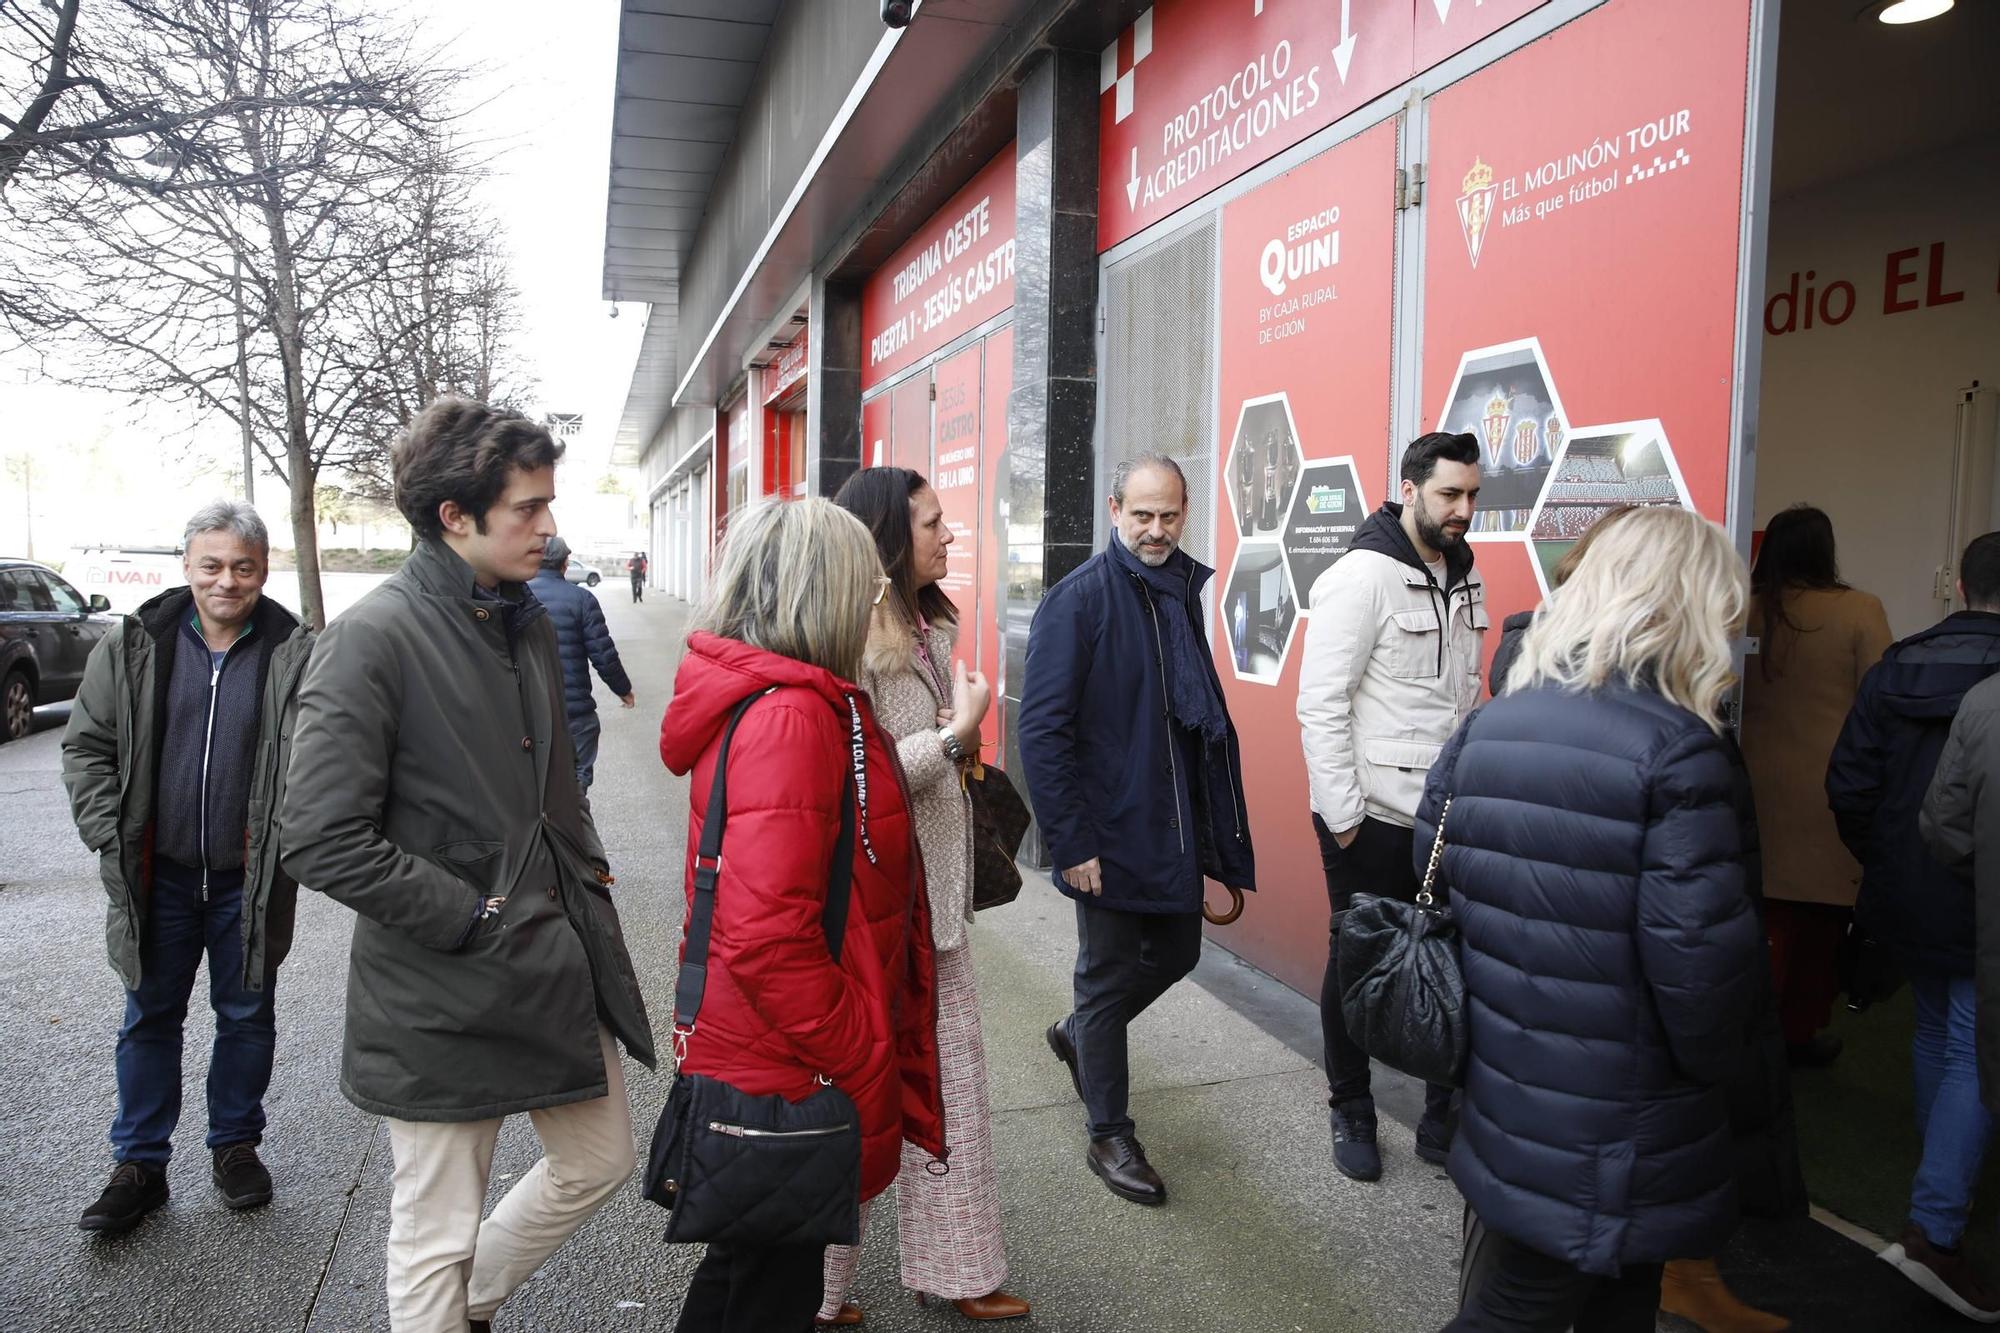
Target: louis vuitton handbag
column 999, row 822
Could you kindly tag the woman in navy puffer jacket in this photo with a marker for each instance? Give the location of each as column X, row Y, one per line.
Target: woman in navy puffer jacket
column 1595, row 860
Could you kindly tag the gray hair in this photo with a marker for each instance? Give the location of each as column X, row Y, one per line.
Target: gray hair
column 797, row 578
column 1128, row 467
column 231, row 516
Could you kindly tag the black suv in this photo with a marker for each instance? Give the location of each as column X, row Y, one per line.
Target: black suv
column 46, row 633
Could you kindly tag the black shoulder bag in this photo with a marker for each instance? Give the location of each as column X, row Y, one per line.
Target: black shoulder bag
column 745, row 1170
column 1403, row 996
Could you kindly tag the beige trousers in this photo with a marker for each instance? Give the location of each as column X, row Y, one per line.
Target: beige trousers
column 445, row 1265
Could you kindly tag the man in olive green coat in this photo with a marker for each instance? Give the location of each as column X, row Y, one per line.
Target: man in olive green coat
column 173, row 757
column 432, row 789
column 1960, row 823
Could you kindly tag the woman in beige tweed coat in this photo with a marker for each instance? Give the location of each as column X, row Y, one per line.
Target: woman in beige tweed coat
column 949, row 1225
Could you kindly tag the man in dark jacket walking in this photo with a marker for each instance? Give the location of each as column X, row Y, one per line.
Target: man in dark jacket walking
column 1881, row 768
column 174, row 786
column 433, row 790
column 1136, row 779
column 584, row 641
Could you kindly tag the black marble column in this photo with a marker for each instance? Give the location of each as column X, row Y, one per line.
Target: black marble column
column 833, row 386
column 1052, row 408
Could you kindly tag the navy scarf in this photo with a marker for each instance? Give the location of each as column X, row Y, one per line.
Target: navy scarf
column 1191, row 694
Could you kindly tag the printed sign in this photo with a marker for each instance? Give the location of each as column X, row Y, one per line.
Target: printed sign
column 954, row 473
column 1307, row 338
column 1588, row 193
column 1327, row 509
column 1446, row 27
column 1308, row 264
column 1196, row 92
column 956, row 273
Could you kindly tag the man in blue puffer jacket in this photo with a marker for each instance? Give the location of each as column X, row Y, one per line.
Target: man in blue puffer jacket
column 584, row 641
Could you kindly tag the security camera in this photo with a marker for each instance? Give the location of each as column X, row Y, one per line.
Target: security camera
column 896, row 13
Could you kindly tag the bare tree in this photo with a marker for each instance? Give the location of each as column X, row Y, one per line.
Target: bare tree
column 86, row 112
column 133, row 272
column 441, row 319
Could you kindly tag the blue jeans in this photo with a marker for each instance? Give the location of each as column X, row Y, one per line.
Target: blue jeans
column 584, row 730
column 180, row 926
column 1950, row 1117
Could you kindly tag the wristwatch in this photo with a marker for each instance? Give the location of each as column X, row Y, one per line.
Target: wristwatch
column 954, row 748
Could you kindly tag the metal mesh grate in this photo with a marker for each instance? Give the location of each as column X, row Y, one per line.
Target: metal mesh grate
column 1159, row 370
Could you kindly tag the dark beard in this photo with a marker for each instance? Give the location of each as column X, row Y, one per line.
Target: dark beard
column 1434, row 534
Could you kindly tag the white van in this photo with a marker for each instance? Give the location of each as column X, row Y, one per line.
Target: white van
column 128, row 576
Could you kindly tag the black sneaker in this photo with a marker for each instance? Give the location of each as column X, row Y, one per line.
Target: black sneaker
column 1354, row 1152
column 241, row 1177
column 1434, row 1138
column 135, row 1189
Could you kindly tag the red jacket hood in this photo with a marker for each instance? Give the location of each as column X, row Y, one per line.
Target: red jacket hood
column 715, row 676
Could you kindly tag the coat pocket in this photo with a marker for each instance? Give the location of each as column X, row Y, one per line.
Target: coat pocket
column 1403, row 756
column 475, row 861
column 1411, row 644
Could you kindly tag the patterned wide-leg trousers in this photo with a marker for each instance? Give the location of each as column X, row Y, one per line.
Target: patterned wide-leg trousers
column 949, row 1225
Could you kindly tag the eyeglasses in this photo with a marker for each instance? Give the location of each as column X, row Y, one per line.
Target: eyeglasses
column 882, row 585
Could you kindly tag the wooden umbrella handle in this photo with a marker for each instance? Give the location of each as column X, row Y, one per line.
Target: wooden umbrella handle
column 1224, row 918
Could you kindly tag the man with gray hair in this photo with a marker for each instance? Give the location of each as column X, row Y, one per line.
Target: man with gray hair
column 1136, row 778
column 173, row 789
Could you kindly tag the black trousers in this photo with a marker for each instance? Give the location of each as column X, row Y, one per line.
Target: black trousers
column 1509, row 1288
column 1124, row 962
column 743, row 1289
column 1377, row 862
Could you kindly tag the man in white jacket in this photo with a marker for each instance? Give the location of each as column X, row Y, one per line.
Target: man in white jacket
column 1393, row 651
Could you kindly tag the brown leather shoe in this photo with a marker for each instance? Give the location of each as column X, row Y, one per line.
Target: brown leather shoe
column 1121, row 1164
column 850, row 1314
column 993, row 1305
column 1694, row 1290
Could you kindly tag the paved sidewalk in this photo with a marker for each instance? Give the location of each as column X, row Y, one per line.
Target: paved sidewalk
column 1262, row 1235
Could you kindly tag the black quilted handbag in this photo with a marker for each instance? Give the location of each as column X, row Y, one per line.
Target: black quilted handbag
column 743, row 1170
column 1402, row 994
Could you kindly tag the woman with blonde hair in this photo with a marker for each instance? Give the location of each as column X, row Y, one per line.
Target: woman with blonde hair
column 1594, row 857
column 785, row 624
column 949, row 1226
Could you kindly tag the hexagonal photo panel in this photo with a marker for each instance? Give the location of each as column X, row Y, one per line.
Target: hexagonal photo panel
column 1326, row 512
column 1598, row 469
column 1505, row 397
column 1263, row 466
column 1260, row 612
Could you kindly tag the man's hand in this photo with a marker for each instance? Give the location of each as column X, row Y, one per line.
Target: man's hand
column 629, row 700
column 1086, row 878
column 1346, row 839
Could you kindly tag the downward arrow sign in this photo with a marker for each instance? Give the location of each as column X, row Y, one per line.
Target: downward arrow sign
column 1132, row 186
column 1443, row 8
column 1343, row 54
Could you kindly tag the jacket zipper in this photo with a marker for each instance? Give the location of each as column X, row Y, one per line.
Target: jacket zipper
column 1166, row 709
column 748, row 1132
column 207, row 746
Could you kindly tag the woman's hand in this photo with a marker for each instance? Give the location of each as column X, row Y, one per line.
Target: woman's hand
column 970, row 698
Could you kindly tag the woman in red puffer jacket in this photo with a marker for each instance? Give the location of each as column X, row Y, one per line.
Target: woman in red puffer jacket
column 789, row 608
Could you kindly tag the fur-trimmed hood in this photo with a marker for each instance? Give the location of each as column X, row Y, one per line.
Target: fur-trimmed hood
column 892, row 647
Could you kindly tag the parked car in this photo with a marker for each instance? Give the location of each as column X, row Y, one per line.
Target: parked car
column 47, row 630
column 582, row 571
